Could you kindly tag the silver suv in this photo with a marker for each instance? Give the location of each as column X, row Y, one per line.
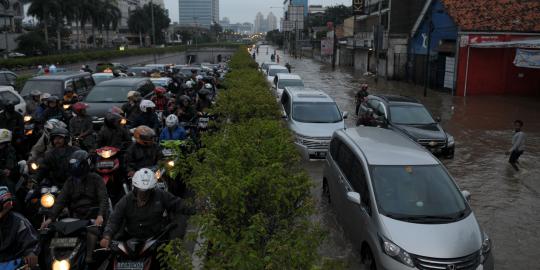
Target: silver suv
column 399, row 205
column 313, row 116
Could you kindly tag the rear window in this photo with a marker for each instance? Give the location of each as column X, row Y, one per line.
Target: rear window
column 272, row 72
column 45, row 86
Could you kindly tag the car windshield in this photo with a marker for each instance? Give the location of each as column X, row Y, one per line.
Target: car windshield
column 418, row 194
column 45, row 86
column 273, row 71
column 108, row 94
column 101, row 78
column 285, row 83
column 316, row 112
column 410, row 115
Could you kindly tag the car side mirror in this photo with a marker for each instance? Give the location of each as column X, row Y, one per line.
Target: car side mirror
column 438, row 119
column 345, row 115
column 284, row 115
column 354, row 197
column 274, row 87
column 466, row 195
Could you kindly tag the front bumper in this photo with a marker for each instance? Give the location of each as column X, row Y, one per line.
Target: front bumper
column 312, row 153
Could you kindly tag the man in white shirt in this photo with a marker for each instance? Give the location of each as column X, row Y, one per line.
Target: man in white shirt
column 518, row 145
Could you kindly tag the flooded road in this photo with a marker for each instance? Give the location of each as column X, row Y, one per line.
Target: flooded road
column 505, row 202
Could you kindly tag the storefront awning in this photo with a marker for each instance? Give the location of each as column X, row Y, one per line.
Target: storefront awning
column 525, row 44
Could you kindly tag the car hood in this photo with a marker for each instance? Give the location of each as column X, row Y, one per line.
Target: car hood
column 100, row 109
column 316, row 129
column 429, row 132
column 451, row 240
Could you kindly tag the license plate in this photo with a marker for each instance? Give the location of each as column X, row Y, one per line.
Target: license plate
column 167, row 152
column 105, row 164
column 161, row 186
column 320, row 154
column 28, row 126
column 67, row 242
column 130, row 265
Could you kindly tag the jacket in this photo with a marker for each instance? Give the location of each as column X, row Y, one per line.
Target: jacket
column 115, row 137
column 139, row 156
column 79, row 125
column 54, row 113
column 131, row 111
column 147, row 221
column 80, row 195
column 147, row 119
column 177, row 134
column 14, row 122
column 55, row 165
column 17, row 237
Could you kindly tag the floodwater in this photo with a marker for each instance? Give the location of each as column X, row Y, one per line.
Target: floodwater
column 505, row 202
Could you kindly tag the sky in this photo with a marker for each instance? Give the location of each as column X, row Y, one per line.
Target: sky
column 245, row 10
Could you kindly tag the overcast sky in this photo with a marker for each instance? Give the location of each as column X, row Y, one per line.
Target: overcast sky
column 245, row 10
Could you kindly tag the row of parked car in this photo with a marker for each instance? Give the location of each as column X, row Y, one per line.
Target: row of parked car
column 394, row 198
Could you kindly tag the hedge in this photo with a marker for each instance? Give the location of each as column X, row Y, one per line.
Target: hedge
column 29, row 62
column 259, row 204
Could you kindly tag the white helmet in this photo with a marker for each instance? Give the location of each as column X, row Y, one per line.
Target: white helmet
column 133, row 94
column 144, row 179
column 199, row 77
column 208, row 86
column 44, row 97
column 145, row 104
column 51, row 124
column 190, row 84
column 171, row 120
column 5, row 135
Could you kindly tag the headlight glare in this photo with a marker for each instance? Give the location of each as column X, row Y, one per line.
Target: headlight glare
column 27, row 118
column 450, row 140
column 47, row 200
column 61, row 265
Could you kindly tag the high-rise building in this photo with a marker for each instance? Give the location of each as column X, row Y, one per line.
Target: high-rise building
column 271, row 22
column 199, row 13
column 259, row 23
column 225, row 22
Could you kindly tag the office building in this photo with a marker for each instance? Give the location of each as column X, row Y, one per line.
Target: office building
column 271, row 21
column 198, row 13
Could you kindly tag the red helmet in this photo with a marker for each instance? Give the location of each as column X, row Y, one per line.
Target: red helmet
column 160, row 90
column 79, row 106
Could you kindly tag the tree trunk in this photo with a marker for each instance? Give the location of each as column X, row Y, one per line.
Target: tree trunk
column 107, row 36
column 93, row 35
column 58, row 39
column 140, row 39
column 78, row 25
column 46, row 33
column 83, row 26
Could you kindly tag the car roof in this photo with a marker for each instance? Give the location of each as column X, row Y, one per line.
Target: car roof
column 396, row 98
column 61, row 75
column 303, row 94
column 386, row 147
column 124, row 82
column 288, row 76
column 276, row 67
column 7, row 88
column 103, row 73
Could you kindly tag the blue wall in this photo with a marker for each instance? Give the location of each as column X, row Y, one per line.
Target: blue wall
column 300, row 3
column 444, row 29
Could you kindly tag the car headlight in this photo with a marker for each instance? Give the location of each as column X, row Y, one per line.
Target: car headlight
column 451, row 141
column 486, row 247
column 396, row 252
column 47, row 200
column 61, row 265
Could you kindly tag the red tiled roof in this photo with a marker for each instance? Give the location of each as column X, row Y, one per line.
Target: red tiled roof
column 495, row 15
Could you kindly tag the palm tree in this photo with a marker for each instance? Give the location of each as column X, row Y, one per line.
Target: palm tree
column 5, row 4
column 42, row 9
column 113, row 15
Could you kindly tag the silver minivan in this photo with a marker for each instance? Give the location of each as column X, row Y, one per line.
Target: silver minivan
column 399, row 205
column 312, row 116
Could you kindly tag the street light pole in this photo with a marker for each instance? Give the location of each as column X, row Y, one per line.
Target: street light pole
column 153, row 29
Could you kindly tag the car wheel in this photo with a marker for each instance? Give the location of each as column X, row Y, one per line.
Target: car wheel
column 326, row 191
column 368, row 260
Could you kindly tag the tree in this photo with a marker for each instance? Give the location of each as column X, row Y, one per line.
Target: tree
column 140, row 21
column 31, row 43
column 42, row 9
column 112, row 16
column 275, row 37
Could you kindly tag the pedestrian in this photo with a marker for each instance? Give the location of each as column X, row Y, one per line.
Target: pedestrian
column 277, row 58
column 360, row 96
column 272, row 57
column 518, row 145
column 288, row 66
column 254, row 55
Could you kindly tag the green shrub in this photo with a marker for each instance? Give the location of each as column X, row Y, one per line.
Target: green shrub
column 258, row 201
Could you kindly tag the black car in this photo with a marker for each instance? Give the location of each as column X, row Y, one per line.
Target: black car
column 57, row 83
column 409, row 117
column 114, row 66
column 114, row 92
column 7, row 78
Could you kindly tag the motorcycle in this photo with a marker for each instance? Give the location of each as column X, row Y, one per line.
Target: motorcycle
column 38, row 201
column 136, row 254
column 173, row 153
column 108, row 167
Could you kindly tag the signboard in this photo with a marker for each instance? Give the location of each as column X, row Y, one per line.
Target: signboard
column 358, row 7
column 449, row 72
column 327, row 46
column 527, row 58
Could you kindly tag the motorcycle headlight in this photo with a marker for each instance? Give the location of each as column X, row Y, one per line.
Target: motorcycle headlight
column 451, row 141
column 27, row 118
column 61, row 265
column 170, row 163
column 66, row 106
column 123, row 122
column 106, row 154
column 47, row 201
column 158, row 174
column 396, row 252
column 34, row 166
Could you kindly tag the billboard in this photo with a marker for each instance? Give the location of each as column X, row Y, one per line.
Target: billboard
column 327, row 46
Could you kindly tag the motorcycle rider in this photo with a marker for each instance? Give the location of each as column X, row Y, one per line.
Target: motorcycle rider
column 55, row 165
column 160, row 100
column 185, row 111
column 131, row 108
column 8, row 160
column 144, row 152
column 81, row 127
column 54, row 111
column 148, row 116
column 70, row 97
column 204, row 97
column 44, row 143
column 18, row 239
column 12, row 121
column 173, row 131
column 83, row 192
column 38, row 113
column 112, row 133
column 33, row 103
column 139, row 214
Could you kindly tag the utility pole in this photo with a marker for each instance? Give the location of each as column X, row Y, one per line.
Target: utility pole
column 428, row 53
column 334, row 52
column 379, row 41
column 153, row 28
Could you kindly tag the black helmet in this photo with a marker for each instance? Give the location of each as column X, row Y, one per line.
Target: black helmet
column 79, row 163
column 111, row 119
column 53, row 98
column 59, row 131
column 184, row 98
